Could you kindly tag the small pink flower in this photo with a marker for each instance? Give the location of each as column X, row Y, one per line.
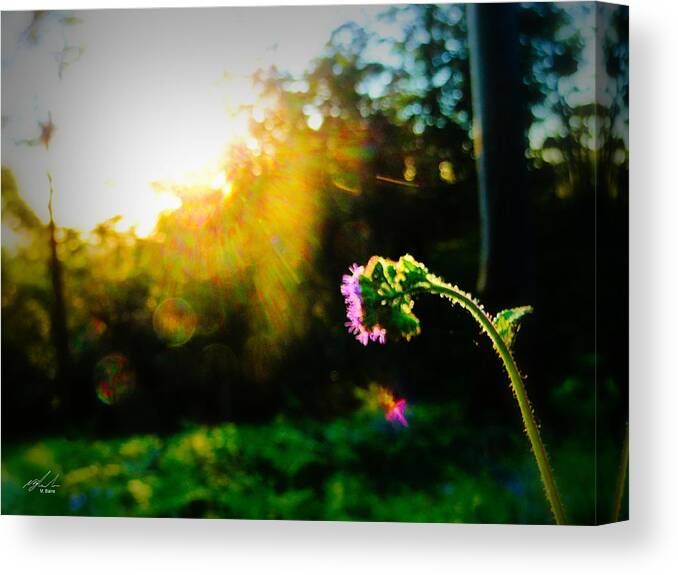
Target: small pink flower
column 350, row 289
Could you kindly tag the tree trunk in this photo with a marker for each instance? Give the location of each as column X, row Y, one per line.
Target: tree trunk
column 506, row 272
column 59, row 330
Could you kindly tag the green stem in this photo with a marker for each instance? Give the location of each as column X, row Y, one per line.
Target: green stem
column 457, row 296
column 621, row 478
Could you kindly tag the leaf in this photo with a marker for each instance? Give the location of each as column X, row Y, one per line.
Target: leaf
column 403, row 322
column 414, row 271
column 507, row 322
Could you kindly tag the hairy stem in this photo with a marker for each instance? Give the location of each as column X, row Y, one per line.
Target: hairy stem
column 451, row 292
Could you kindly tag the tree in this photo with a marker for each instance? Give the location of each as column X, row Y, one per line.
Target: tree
column 506, row 262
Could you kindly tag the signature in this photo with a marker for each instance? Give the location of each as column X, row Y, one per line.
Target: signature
column 44, row 484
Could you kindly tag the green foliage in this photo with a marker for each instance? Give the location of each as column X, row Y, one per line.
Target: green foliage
column 353, row 468
column 507, row 323
column 387, row 290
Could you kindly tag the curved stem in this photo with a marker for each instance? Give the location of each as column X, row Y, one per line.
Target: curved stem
column 531, row 427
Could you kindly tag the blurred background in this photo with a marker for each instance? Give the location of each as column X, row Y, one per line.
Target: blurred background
column 182, row 191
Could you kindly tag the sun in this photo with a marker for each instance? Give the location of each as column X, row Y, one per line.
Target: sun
column 185, row 143
column 107, row 164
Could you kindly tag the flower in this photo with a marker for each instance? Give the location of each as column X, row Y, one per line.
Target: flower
column 379, row 298
column 350, row 289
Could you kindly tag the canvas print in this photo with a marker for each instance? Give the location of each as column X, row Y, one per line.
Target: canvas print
column 356, row 263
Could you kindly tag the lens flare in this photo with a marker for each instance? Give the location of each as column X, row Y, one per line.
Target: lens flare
column 89, row 335
column 394, row 408
column 114, row 378
column 397, row 412
column 175, row 321
column 377, row 397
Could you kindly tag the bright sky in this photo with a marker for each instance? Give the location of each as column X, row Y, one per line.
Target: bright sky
column 146, row 101
column 153, row 96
